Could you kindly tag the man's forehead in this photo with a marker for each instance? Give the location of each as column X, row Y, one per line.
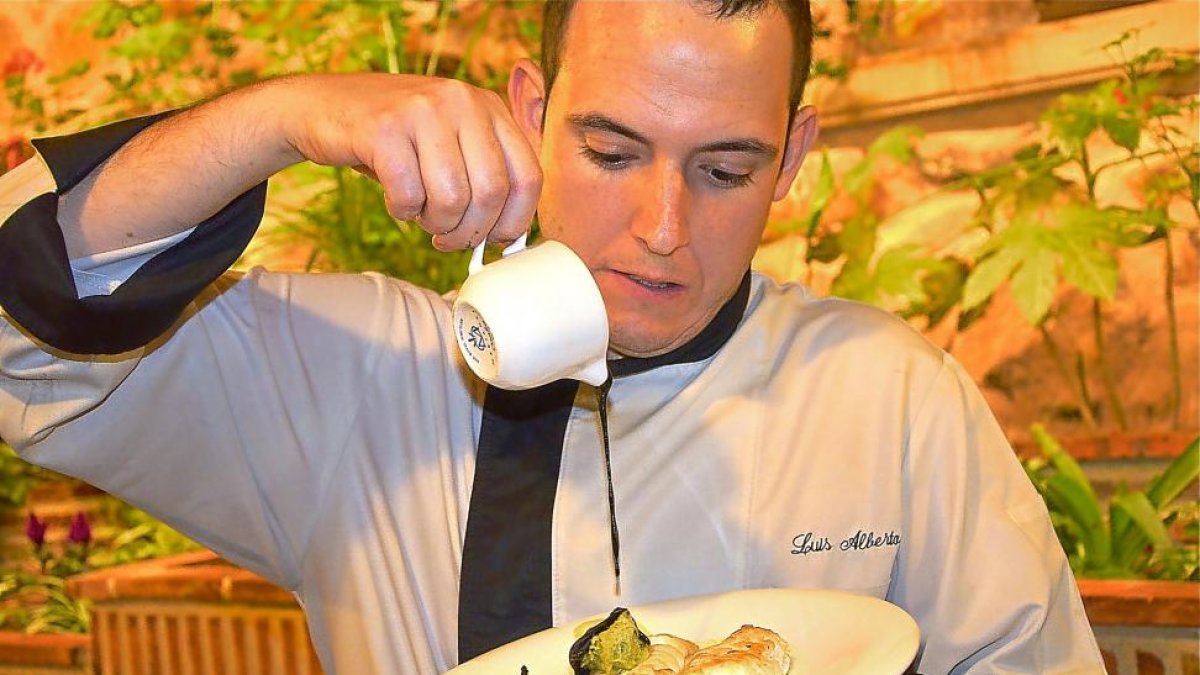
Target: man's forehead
column 675, row 59
column 597, row 20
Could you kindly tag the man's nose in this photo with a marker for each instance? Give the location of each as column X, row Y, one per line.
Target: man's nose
column 661, row 222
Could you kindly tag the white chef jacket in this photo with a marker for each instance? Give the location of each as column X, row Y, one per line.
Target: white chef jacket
column 321, row 430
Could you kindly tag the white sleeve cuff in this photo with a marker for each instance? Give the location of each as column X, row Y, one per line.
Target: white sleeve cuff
column 103, row 273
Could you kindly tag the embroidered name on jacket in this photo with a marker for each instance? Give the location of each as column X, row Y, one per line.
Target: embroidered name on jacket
column 806, row 542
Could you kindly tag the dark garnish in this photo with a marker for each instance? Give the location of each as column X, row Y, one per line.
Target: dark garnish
column 614, row 645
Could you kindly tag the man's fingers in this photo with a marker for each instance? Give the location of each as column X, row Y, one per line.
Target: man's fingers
column 524, row 182
column 444, row 176
column 399, row 173
column 488, row 176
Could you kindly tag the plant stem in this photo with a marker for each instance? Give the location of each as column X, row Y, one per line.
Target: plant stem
column 1174, row 402
column 438, row 38
column 1110, row 389
column 476, row 32
column 390, row 46
column 1085, row 409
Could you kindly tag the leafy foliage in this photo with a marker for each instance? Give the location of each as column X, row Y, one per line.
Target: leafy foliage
column 1046, row 228
column 1131, row 538
column 18, row 477
column 40, row 603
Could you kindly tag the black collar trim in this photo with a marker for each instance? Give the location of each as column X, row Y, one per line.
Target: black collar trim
column 705, row 344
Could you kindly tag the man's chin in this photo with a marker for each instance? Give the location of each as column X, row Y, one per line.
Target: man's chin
column 642, row 343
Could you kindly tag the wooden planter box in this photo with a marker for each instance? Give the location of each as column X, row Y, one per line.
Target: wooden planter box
column 22, row 654
column 193, row 613
column 1115, row 445
column 196, row 613
column 1145, row 627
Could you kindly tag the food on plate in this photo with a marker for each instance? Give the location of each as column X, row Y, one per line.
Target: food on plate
column 750, row 650
column 617, row 646
column 614, row 645
column 667, row 655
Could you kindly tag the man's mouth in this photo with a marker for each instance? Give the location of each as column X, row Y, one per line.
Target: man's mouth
column 658, row 285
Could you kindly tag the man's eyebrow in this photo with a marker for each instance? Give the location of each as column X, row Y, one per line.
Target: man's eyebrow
column 602, row 123
column 750, row 145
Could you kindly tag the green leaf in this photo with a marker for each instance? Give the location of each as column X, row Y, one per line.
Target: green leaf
column 1176, row 477
column 1034, row 283
column 1062, row 462
column 854, row 282
column 825, row 249
column 898, row 273
column 1123, row 131
column 858, row 178
column 1070, row 120
column 1069, row 497
column 896, row 143
column 1142, row 513
column 1087, row 267
column 858, row 236
column 987, row 276
column 943, row 288
column 76, row 69
column 822, row 193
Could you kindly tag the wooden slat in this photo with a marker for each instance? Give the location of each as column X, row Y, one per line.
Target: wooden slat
column 208, row 647
column 228, row 650
column 124, row 652
column 141, row 632
column 162, row 646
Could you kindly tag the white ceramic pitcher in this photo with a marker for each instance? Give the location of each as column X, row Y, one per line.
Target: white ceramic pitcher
column 532, row 317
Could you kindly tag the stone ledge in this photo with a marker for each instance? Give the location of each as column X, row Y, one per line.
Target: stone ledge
column 1116, row 445
column 198, row 576
column 1113, row 602
column 1038, row 58
column 44, row 651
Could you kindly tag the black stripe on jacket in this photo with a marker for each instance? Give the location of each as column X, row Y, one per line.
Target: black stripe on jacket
column 38, row 290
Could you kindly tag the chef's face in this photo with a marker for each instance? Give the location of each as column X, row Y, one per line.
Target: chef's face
column 663, row 144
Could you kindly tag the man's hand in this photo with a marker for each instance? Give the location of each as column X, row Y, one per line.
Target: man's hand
column 447, row 154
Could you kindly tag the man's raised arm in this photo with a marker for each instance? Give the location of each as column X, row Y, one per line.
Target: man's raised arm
column 447, row 154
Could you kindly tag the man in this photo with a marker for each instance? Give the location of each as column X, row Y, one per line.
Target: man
column 323, row 431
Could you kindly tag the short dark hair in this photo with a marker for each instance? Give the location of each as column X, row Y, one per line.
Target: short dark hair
column 556, row 13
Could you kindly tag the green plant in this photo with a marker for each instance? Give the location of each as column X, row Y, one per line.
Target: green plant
column 34, row 596
column 1046, row 225
column 140, row 537
column 18, row 477
column 1147, row 533
column 1039, row 223
column 907, row 279
column 40, row 603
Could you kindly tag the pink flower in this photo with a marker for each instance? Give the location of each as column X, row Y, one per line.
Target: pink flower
column 81, row 530
column 12, row 153
column 35, row 530
column 22, row 61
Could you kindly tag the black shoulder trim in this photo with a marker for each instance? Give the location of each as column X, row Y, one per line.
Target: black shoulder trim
column 74, row 156
column 37, row 288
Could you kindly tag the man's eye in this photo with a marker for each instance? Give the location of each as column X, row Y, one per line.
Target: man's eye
column 605, row 160
column 728, row 179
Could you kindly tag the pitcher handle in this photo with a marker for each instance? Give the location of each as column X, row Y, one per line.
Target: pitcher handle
column 476, row 263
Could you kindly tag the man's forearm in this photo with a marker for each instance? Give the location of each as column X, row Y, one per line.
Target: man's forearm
column 179, row 171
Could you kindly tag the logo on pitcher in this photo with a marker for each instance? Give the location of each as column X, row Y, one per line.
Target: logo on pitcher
column 477, row 339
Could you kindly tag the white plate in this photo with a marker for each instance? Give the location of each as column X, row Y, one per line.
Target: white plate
column 829, row 631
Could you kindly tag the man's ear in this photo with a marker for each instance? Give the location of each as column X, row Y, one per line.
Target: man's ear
column 801, row 138
column 527, row 99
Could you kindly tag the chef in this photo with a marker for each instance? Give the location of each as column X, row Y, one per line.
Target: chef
column 323, row 431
